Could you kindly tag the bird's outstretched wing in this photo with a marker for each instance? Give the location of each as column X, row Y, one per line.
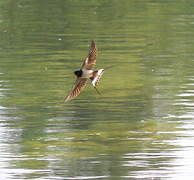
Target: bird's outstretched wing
column 90, row 60
column 79, row 85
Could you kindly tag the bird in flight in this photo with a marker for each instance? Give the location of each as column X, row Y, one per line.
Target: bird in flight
column 86, row 73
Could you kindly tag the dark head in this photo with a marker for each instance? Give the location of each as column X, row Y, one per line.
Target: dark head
column 78, row 73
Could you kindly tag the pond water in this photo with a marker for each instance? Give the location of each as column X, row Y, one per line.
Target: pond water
column 141, row 127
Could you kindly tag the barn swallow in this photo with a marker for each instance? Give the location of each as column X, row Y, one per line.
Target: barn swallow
column 86, row 73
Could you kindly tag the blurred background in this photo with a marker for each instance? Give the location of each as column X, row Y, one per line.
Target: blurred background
column 142, row 127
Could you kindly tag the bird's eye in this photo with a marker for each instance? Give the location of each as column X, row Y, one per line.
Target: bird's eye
column 77, row 72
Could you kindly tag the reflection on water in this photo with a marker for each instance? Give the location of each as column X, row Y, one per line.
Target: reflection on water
column 141, row 127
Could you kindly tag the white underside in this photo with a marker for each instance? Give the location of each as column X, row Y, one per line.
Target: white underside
column 87, row 73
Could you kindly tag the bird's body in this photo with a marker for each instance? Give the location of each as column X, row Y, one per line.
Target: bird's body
column 86, row 73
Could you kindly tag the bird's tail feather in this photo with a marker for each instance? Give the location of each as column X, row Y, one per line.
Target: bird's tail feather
column 97, row 90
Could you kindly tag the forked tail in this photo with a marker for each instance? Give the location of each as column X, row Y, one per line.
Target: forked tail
column 96, row 76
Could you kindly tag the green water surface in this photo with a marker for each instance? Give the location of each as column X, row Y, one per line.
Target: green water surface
column 141, row 127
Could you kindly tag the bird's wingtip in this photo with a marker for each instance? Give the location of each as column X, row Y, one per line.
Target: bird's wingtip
column 92, row 42
column 67, row 99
